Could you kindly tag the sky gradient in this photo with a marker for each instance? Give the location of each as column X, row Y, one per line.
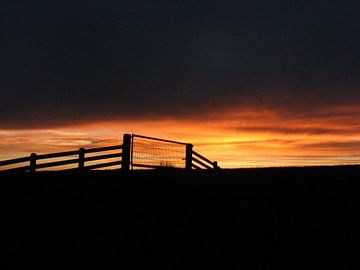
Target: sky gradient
column 249, row 84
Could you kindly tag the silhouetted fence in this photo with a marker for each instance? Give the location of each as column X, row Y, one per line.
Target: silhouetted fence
column 136, row 151
column 80, row 160
column 200, row 162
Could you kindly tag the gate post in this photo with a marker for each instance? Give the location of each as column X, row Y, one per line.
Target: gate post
column 126, row 146
column 188, row 157
column 215, row 164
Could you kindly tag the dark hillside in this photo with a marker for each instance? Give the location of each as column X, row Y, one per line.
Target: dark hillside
column 288, row 218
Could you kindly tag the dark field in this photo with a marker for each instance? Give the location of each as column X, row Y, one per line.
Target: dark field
column 290, row 218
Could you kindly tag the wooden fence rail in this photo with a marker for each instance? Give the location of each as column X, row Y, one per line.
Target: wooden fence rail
column 80, row 160
column 14, row 161
column 200, row 162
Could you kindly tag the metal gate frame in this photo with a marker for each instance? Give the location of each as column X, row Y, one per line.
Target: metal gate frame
column 188, row 151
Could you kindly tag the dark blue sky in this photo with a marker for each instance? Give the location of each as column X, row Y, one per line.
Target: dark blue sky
column 68, row 62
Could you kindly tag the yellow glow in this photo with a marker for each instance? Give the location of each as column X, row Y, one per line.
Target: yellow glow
column 235, row 138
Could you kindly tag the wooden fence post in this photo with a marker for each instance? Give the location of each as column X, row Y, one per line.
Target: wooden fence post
column 32, row 167
column 81, row 159
column 188, row 157
column 125, row 163
column 215, row 165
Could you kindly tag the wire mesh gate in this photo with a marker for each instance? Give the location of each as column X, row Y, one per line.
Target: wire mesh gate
column 149, row 152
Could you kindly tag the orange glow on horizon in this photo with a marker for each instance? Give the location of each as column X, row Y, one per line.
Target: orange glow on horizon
column 235, row 138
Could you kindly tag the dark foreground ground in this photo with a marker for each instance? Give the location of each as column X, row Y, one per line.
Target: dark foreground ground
column 295, row 218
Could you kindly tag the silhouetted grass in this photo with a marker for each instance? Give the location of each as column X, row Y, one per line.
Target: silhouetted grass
column 280, row 218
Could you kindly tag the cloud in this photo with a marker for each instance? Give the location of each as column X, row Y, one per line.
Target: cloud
column 343, row 146
column 45, row 141
column 297, row 131
column 67, row 64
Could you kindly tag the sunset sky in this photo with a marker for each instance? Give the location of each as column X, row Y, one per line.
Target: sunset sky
column 249, row 84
